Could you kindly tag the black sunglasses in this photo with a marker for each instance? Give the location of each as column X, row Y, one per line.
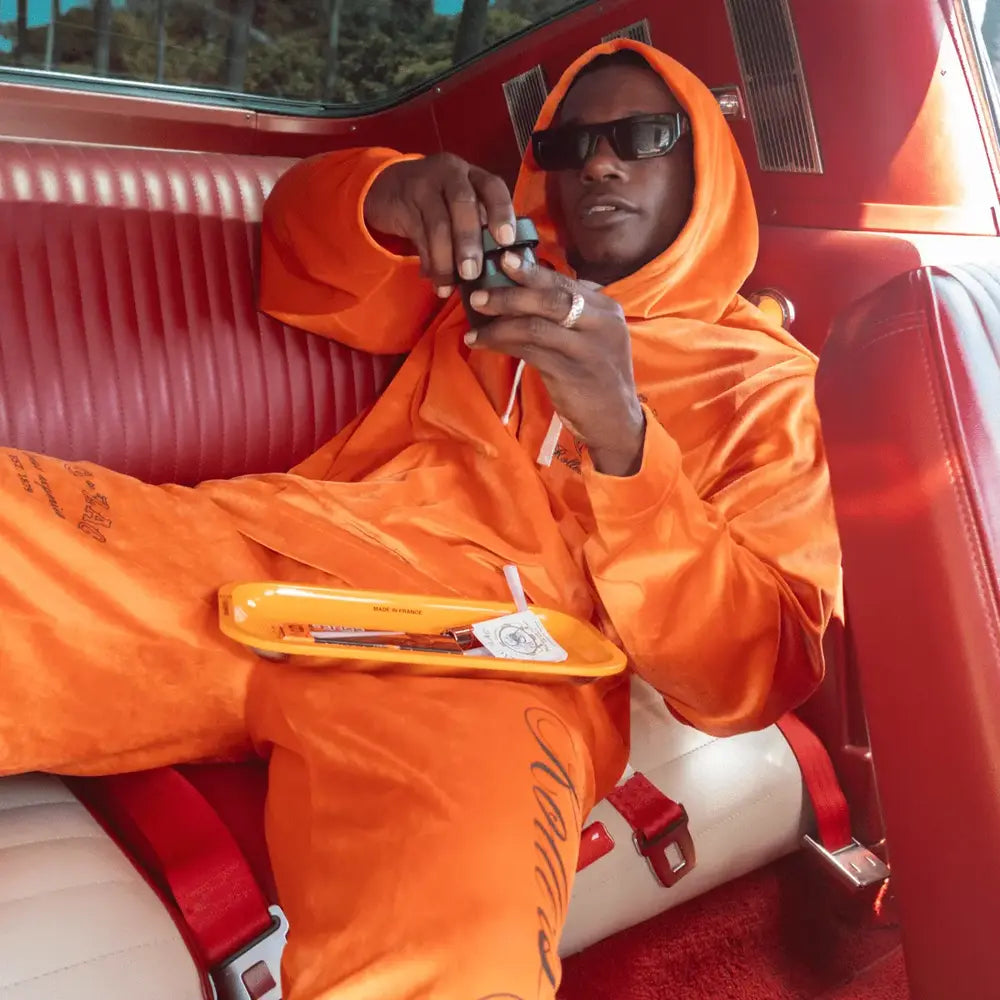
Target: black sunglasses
column 568, row 147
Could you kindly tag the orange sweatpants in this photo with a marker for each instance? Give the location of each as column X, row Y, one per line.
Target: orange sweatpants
column 423, row 831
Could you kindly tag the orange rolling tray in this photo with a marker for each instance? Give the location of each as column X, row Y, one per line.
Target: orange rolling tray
column 257, row 614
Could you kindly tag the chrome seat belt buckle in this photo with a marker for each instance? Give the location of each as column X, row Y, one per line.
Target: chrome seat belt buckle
column 254, row 972
column 854, row 865
column 670, row 853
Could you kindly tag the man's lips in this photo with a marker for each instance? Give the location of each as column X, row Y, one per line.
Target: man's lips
column 598, row 211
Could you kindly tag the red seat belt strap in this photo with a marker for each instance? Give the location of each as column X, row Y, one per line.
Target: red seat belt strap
column 833, row 818
column 194, row 853
column 849, row 861
column 659, row 827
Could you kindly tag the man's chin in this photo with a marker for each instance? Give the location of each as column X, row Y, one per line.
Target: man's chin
column 603, row 265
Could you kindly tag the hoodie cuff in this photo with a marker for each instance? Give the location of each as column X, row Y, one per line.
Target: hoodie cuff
column 392, row 247
column 619, row 499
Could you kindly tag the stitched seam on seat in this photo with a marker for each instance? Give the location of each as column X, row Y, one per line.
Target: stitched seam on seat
column 67, row 888
column 687, row 753
column 98, row 835
column 614, row 875
column 889, row 334
column 957, row 479
column 91, row 961
column 914, row 315
column 6, row 810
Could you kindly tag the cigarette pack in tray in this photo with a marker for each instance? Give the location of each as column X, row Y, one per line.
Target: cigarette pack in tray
column 402, row 633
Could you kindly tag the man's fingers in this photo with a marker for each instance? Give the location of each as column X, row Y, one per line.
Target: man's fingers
column 529, row 337
column 495, row 197
column 540, row 292
column 437, row 230
column 467, row 242
column 552, row 303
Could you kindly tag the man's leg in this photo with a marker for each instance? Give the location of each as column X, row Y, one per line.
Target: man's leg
column 424, row 831
column 111, row 658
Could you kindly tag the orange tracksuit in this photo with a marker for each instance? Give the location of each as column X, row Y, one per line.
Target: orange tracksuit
column 424, row 830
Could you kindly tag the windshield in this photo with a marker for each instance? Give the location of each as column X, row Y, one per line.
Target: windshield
column 349, row 52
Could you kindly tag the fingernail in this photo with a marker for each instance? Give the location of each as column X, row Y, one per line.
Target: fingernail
column 470, row 338
column 444, row 291
column 505, row 234
column 512, row 261
column 479, row 298
column 468, row 269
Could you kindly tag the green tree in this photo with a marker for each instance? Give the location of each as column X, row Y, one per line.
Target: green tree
column 238, row 43
column 21, row 38
column 338, row 51
column 52, row 35
column 471, row 32
column 161, row 39
column 331, row 57
column 102, row 37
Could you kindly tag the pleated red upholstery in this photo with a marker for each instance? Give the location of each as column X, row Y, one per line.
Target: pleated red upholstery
column 129, row 332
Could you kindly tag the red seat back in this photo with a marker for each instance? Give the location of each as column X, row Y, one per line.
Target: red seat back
column 129, row 332
column 909, row 393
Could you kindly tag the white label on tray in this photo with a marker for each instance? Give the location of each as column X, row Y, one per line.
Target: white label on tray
column 520, row 636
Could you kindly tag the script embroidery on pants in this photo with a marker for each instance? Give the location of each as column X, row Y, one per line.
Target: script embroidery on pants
column 556, row 824
column 40, row 481
column 93, row 519
column 95, row 513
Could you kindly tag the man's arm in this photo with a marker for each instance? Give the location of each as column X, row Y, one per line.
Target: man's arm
column 721, row 601
column 330, row 229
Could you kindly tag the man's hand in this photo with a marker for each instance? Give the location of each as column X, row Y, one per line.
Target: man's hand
column 587, row 369
column 440, row 204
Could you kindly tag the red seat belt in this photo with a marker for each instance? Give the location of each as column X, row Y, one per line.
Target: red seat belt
column 833, row 818
column 851, row 861
column 661, row 833
column 237, row 936
column 659, row 827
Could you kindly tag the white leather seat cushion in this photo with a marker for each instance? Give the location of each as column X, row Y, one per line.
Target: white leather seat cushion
column 77, row 921
column 746, row 807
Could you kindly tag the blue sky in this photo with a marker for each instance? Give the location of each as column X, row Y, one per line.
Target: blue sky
column 38, row 12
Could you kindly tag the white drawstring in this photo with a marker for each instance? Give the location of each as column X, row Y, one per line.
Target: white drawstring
column 548, row 449
column 518, row 372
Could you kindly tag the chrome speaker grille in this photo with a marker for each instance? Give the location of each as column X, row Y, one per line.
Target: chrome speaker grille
column 767, row 48
column 638, row 32
column 525, row 96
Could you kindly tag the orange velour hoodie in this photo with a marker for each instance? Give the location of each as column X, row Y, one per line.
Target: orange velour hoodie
column 716, row 566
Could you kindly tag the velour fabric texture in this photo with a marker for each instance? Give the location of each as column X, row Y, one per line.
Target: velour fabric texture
column 424, row 831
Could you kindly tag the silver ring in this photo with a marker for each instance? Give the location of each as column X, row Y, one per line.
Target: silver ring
column 575, row 311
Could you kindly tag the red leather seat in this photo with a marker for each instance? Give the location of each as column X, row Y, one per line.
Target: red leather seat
column 909, row 392
column 130, row 335
column 130, row 330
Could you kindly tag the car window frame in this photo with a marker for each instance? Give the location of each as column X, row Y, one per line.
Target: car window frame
column 263, row 103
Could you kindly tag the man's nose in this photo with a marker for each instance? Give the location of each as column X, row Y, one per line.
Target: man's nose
column 602, row 164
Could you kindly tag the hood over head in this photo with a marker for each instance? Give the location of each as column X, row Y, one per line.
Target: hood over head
column 700, row 274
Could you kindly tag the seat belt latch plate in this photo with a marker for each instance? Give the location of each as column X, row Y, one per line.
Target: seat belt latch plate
column 854, row 864
column 254, row 972
column 670, row 853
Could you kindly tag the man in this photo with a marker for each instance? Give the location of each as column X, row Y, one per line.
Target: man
column 424, row 830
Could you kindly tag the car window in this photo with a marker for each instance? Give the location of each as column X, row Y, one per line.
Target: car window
column 337, row 52
column 984, row 17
